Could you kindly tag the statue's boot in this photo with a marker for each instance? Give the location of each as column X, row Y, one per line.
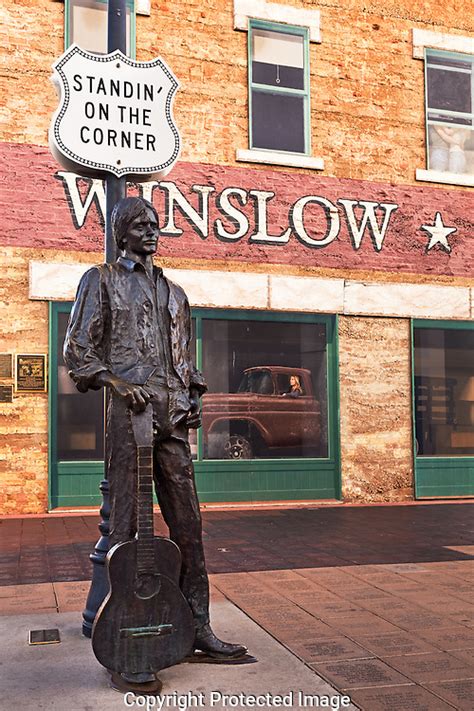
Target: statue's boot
column 207, row 642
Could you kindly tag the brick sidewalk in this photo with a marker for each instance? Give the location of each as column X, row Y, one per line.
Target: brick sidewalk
column 57, row 548
column 377, row 600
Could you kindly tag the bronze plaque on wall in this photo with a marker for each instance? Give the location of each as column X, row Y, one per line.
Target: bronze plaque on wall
column 6, row 365
column 6, row 393
column 31, row 373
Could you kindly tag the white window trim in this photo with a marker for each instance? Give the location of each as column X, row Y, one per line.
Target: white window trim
column 143, row 7
column 245, row 10
column 441, row 176
column 439, row 40
column 450, row 43
column 291, row 160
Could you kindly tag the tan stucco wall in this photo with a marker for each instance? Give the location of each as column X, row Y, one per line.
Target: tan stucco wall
column 375, row 392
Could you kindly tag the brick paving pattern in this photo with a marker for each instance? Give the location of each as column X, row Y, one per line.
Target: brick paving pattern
column 377, row 600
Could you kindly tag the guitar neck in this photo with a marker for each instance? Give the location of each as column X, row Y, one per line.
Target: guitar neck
column 145, row 547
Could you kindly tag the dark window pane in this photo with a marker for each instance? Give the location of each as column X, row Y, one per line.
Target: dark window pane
column 277, row 75
column 80, row 425
column 444, row 392
column 449, row 90
column 278, row 122
column 267, row 389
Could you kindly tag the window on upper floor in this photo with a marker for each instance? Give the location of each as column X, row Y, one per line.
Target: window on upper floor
column 449, row 92
column 86, row 25
column 279, row 110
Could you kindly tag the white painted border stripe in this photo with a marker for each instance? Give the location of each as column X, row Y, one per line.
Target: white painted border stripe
column 56, row 281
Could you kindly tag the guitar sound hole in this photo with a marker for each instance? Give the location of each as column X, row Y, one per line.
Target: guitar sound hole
column 147, row 586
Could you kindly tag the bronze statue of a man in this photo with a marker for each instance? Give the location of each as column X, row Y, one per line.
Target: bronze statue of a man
column 130, row 329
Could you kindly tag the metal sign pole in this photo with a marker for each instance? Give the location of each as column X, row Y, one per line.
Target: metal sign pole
column 115, row 190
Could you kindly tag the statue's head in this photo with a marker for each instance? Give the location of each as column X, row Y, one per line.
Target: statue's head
column 135, row 225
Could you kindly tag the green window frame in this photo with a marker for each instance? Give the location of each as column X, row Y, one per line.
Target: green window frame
column 463, row 121
column 68, row 6
column 274, row 479
column 70, row 483
column 436, row 475
column 77, row 483
column 260, row 88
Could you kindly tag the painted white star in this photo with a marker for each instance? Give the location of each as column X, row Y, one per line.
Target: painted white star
column 438, row 233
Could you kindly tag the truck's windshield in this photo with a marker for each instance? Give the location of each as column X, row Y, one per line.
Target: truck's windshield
column 257, row 381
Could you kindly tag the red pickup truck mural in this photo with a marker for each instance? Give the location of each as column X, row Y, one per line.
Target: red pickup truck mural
column 274, row 408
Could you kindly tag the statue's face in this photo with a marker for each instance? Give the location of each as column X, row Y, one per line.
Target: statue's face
column 142, row 234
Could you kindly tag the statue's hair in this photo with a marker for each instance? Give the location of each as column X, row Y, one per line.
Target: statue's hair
column 123, row 214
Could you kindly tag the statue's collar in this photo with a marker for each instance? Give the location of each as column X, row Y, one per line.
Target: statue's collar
column 130, row 265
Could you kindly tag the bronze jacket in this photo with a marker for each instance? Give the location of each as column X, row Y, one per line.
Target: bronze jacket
column 114, row 326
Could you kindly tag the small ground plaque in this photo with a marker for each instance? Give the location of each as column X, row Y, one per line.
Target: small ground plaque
column 359, row 673
column 31, row 373
column 388, row 698
column 44, row 636
column 459, row 692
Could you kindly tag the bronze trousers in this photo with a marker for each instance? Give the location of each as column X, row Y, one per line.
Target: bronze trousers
column 173, row 475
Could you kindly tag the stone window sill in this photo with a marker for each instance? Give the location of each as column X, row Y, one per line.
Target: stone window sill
column 292, row 160
column 441, row 176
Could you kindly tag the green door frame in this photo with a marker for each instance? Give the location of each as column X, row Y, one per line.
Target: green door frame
column 76, row 483
column 438, row 476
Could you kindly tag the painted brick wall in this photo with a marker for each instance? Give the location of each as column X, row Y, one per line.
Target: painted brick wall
column 375, row 388
column 37, row 214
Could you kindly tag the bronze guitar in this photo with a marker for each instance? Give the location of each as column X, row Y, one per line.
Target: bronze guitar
column 144, row 624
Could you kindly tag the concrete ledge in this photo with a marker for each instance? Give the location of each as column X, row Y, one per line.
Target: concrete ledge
column 407, row 300
column 441, row 176
column 56, row 281
column 306, row 294
column 233, row 290
column 292, row 160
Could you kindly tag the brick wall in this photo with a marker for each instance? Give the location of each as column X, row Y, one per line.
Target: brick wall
column 24, row 422
column 366, row 89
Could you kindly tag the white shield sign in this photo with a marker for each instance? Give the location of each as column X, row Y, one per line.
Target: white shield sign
column 114, row 115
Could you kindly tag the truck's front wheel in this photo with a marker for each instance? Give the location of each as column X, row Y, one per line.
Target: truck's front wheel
column 237, row 447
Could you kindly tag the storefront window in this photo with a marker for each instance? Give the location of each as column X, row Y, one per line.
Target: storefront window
column 80, row 431
column 269, row 419
column 444, row 391
column 267, row 389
